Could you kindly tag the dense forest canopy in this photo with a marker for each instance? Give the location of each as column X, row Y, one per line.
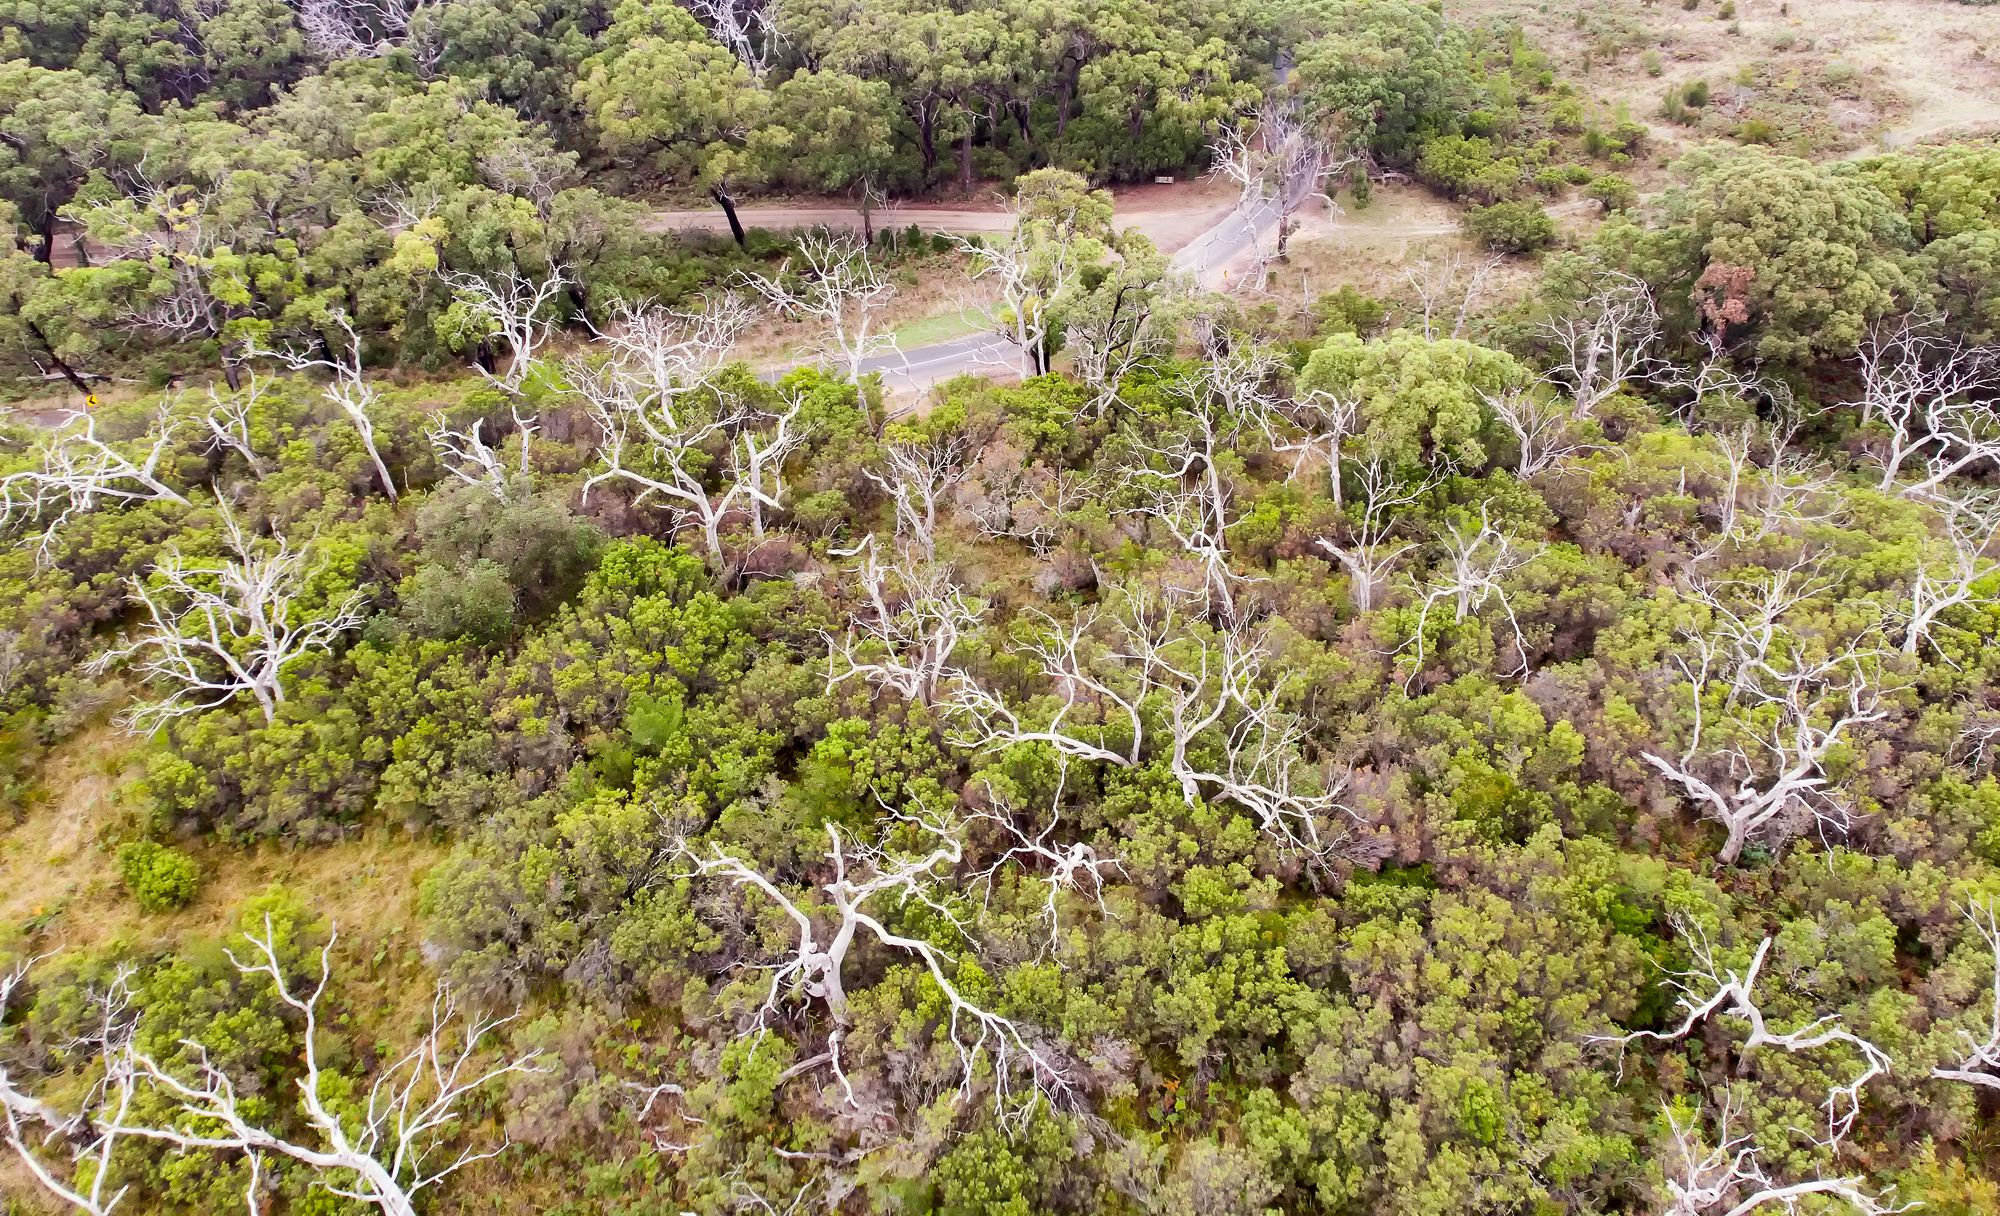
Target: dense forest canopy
column 1520, row 749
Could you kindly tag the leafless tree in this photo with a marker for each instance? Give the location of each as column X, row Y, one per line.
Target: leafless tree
column 1069, row 869
column 1544, row 426
column 1933, row 397
column 1728, row 1180
column 220, row 630
column 661, row 422
column 1469, row 576
column 1129, row 321
column 1437, row 286
column 1025, row 274
column 513, row 307
column 1313, row 427
column 1369, row 554
column 1756, row 503
column 37, row 1131
column 346, row 387
column 744, row 27
column 1086, row 673
column 1949, row 569
column 1214, row 687
column 466, row 455
column 1043, row 500
column 1766, row 710
column 757, row 459
column 1979, row 1063
column 1277, row 162
column 386, row 1143
column 1185, row 488
column 1604, row 342
column 904, row 638
column 1709, row 987
column 78, row 471
column 358, row 29
column 816, row 970
column 839, row 288
column 916, row 475
column 228, row 422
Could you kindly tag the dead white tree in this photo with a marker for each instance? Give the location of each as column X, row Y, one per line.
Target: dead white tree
column 1213, row 687
column 1604, row 342
column 228, row 423
column 1544, row 426
column 1369, row 552
column 661, row 424
column 1726, row 1179
column 78, row 471
column 744, row 27
column 466, row 455
column 228, row 628
column 1979, row 1062
column 345, row 388
column 916, row 475
column 1069, row 869
column 1278, row 162
column 1026, row 274
column 839, row 288
column 359, row 29
column 512, row 307
column 904, row 639
column 1314, row 426
column 1186, row 490
column 758, row 459
column 386, row 1143
column 1766, row 709
column 1709, row 987
column 1949, row 569
column 1934, row 400
column 41, row 1135
column 1129, row 320
column 1474, row 561
column 1758, row 502
column 816, row 969
column 1436, row 284
column 1085, row 675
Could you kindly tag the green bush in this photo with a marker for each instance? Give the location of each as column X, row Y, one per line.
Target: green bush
column 1756, row 131
column 159, row 877
column 1650, row 61
column 1726, row 11
column 1511, row 227
column 1695, row 92
column 1616, row 193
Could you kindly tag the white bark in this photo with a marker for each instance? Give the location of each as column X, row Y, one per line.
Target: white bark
column 1979, row 1062
column 228, row 423
column 916, row 475
column 346, row 388
column 1728, row 1180
column 1933, row 397
column 78, row 471
column 1767, row 710
column 1949, row 569
column 904, row 638
column 514, row 305
column 836, row 287
column 385, row 1144
column 217, row 631
column 1069, row 868
column 1605, row 342
column 1469, row 576
column 466, row 455
column 1709, row 988
column 1369, row 554
column 815, row 970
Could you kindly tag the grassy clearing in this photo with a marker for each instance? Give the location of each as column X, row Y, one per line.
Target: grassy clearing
column 942, row 328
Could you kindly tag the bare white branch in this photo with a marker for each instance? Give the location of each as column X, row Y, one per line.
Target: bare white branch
column 1979, row 1062
column 79, row 471
column 837, row 287
column 1704, row 1180
column 217, row 631
column 1933, row 398
column 346, row 388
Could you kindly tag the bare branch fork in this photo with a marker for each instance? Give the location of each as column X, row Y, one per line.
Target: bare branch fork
column 92, row 1134
column 916, row 476
column 1474, row 564
column 1777, row 709
column 79, row 470
column 1708, row 988
column 1979, row 1063
column 1369, row 554
column 904, row 638
column 1068, row 869
column 1934, row 400
column 217, row 631
column 1702, row 1180
column 838, row 287
column 388, row 1143
column 228, row 423
column 346, row 387
column 1949, row 569
column 515, row 306
column 814, row 971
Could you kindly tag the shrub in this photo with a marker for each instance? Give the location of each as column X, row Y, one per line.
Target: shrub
column 1695, row 92
column 1348, row 311
column 1616, row 193
column 1567, row 114
column 1511, row 227
column 1756, row 131
column 1726, row 11
column 158, row 877
column 1650, row 60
